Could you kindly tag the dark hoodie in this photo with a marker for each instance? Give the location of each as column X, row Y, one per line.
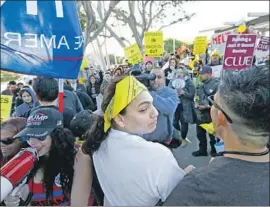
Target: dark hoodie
column 21, row 110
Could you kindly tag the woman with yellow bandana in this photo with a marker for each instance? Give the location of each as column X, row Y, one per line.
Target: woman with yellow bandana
column 131, row 171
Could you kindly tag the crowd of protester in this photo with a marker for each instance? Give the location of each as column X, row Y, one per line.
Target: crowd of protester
column 113, row 144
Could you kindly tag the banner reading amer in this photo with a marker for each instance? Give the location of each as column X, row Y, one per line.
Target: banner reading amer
column 6, row 102
column 42, row 38
column 133, row 54
column 153, row 44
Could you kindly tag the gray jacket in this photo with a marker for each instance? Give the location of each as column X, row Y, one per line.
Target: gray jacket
column 187, row 100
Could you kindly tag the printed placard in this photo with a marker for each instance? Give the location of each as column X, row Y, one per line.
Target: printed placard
column 200, row 44
column 239, row 51
column 153, row 44
column 6, row 103
column 133, row 54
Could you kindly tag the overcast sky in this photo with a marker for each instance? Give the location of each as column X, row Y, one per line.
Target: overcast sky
column 209, row 14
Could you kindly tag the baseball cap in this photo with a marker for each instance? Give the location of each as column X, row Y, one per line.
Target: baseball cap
column 206, row 69
column 81, row 122
column 41, row 123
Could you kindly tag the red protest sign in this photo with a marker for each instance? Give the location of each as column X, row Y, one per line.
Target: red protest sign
column 218, row 41
column 239, row 51
column 220, row 38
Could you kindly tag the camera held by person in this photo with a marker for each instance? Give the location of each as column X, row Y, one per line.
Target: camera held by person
column 144, row 78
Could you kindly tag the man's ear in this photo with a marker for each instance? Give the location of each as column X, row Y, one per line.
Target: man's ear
column 119, row 120
column 221, row 119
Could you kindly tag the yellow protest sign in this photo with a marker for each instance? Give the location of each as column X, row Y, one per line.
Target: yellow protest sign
column 133, row 54
column 153, row 44
column 200, row 44
column 6, row 102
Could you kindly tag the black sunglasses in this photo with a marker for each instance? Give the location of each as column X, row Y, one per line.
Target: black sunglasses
column 212, row 101
column 7, row 141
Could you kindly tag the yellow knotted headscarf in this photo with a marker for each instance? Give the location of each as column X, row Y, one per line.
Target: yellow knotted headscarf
column 126, row 90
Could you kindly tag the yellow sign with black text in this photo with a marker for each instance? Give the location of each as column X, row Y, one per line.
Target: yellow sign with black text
column 133, row 54
column 200, row 44
column 6, row 103
column 153, row 44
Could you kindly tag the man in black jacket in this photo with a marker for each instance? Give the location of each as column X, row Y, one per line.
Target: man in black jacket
column 208, row 87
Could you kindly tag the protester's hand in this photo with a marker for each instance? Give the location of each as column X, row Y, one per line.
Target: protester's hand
column 189, row 168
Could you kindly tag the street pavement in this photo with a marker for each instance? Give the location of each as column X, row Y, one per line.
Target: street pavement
column 183, row 155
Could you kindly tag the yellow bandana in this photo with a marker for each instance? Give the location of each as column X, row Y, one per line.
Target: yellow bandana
column 126, row 90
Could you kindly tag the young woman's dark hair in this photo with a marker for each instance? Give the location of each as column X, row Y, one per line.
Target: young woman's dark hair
column 59, row 161
column 96, row 134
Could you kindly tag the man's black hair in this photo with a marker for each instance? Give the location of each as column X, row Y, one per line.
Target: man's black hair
column 46, row 89
column 246, row 94
column 11, row 83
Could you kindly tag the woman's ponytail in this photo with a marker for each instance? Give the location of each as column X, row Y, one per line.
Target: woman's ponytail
column 94, row 136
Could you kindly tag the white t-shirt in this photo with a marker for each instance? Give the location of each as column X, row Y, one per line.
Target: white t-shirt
column 135, row 172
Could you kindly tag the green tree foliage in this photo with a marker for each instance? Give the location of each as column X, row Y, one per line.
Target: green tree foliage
column 168, row 45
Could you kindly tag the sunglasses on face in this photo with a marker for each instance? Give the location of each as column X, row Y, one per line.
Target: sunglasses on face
column 7, row 141
column 212, row 101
